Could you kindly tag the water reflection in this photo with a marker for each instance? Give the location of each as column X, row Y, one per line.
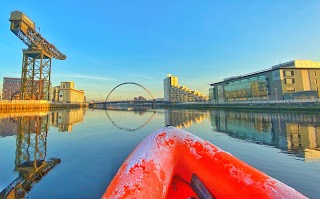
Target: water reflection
column 184, row 118
column 31, row 150
column 137, row 112
column 65, row 119
column 298, row 134
column 31, row 131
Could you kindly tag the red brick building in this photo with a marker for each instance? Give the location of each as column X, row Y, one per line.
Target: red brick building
column 10, row 86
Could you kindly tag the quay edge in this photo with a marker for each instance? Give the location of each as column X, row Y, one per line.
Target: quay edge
column 36, row 105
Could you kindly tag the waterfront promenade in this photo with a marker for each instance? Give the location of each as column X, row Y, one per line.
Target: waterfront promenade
column 304, row 105
column 35, row 105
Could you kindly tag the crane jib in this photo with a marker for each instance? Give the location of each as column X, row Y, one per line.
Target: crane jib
column 24, row 29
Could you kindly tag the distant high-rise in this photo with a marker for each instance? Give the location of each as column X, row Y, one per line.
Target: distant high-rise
column 175, row 93
column 10, row 87
column 170, row 81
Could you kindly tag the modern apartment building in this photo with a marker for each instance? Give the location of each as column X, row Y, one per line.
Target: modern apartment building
column 175, row 93
column 297, row 79
column 10, row 87
column 68, row 94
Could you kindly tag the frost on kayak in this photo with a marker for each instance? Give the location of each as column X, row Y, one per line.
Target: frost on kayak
column 152, row 164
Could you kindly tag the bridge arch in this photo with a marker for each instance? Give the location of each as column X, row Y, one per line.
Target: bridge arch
column 129, row 83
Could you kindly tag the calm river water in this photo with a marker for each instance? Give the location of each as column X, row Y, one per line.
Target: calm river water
column 76, row 153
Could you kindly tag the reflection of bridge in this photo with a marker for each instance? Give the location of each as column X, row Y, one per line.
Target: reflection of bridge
column 130, row 129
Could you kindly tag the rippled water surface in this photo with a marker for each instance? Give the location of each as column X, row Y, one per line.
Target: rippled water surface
column 76, row 153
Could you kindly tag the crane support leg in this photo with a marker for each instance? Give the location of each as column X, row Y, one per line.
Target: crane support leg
column 35, row 76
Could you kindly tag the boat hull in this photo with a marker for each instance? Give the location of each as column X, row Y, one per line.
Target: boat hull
column 165, row 164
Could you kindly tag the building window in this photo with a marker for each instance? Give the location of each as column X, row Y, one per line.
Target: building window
column 289, row 81
column 315, row 73
column 315, row 81
column 290, row 88
column 288, row 73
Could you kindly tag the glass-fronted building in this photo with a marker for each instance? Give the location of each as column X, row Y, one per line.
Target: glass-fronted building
column 298, row 79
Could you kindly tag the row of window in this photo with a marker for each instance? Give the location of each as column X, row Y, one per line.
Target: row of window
column 292, row 81
column 287, row 73
column 246, row 88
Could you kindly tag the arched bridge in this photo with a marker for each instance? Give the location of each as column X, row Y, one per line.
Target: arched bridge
column 129, row 83
column 153, row 102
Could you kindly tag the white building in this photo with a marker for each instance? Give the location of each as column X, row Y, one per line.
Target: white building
column 175, row 93
column 68, row 94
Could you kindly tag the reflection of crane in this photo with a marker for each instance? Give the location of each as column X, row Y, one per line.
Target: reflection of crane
column 36, row 63
column 30, row 156
column 130, row 129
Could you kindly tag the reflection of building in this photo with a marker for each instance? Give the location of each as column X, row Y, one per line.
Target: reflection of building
column 184, row 118
column 8, row 127
column 175, row 93
column 298, row 79
column 66, row 118
column 10, row 86
column 67, row 93
column 297, row 133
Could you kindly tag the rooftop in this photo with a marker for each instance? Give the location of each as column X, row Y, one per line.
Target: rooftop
column 290, row 64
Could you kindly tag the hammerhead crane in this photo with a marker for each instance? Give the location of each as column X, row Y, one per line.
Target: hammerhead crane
column 36, row 63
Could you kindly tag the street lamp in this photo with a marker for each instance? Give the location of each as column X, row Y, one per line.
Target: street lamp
column 276, row 90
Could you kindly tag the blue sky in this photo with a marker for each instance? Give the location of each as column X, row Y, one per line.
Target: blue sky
column 111, row 42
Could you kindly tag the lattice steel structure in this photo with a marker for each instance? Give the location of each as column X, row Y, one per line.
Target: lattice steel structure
column 36, row 63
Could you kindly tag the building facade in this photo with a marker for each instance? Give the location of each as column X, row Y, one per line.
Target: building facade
column 68, row 94
column 10, row 87
column 297, row 79
column 55, row 94
column 175, row 93
column 140, row 98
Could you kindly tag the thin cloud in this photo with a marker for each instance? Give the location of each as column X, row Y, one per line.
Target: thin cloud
column 14, row 75
column 145, row 77
column 83, row 76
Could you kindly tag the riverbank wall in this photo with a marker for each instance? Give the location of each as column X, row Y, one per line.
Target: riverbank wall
column 305, row 105
column 36, row 105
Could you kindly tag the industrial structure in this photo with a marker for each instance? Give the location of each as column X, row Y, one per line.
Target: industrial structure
column 294, row 80
column 37, row 59
column 175, row 93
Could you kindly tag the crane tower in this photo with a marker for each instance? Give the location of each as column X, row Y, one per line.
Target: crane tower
column 36, row 62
